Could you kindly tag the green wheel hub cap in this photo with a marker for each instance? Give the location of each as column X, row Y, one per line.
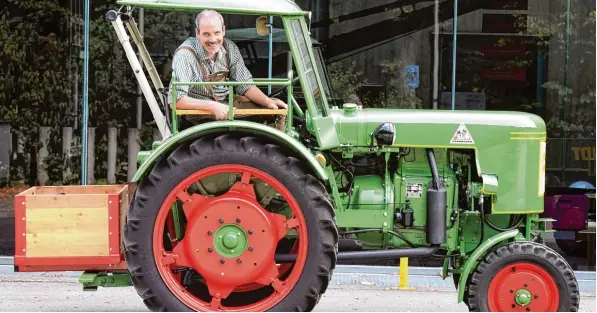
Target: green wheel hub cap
column 523, row 297
column 230, row 241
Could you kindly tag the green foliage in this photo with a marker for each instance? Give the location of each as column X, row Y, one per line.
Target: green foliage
column 572, row 111
column 345, row 81
column 34, row 69
column 401, row 98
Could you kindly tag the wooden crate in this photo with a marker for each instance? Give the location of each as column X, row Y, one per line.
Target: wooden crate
column 69, row 227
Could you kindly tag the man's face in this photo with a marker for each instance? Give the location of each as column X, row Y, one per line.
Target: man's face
column 211, row 34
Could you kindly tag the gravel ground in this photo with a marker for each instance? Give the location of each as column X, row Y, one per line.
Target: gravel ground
column 63, row 294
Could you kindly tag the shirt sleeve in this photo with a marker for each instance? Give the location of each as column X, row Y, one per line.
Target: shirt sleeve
column 182, row 67
column 238, row 70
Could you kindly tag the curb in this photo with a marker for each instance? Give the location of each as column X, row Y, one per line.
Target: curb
column 357, row 275
column 422, row 277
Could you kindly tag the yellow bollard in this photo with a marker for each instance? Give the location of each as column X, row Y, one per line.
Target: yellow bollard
column 403, row 284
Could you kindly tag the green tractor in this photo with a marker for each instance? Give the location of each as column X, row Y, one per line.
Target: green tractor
column 238, row 215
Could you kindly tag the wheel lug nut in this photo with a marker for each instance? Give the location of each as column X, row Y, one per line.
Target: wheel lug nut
column 210, row 250
column 526, row 285
column 239, row 261
column 536, row 296
column 250, row 249
column 221, row 221
column 238, row 220
column 222, row 261
column 511, row 290
column 528, row 309
column 209, row 233
column 250, row 232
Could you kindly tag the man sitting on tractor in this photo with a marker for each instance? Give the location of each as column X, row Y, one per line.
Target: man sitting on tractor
column 210, row 57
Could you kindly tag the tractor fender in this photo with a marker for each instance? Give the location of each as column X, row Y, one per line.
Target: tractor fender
column 245, row 127
column 474, row 259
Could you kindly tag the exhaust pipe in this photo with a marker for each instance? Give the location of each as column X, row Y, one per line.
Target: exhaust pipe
column 436, row 205
column 372, row 254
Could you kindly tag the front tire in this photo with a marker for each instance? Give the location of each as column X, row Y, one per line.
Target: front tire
column 524, row 277
column 184, row 275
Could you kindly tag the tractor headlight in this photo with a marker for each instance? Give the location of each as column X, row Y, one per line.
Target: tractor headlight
column 384, row 134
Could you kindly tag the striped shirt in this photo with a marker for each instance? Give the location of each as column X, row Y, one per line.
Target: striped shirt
column 186, row 69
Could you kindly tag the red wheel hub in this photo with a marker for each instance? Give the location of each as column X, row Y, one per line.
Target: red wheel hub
column 523, row 287
column 238, row 207
column 230, row 240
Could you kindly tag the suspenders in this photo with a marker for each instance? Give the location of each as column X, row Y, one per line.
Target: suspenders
column 217, row 76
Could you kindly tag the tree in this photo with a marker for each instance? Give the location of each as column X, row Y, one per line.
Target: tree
column 34, row 78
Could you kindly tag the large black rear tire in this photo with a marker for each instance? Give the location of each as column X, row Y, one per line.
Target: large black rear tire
column 206, row 152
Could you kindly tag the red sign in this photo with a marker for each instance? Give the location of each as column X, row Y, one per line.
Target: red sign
column 492, row 50
column 505, row 74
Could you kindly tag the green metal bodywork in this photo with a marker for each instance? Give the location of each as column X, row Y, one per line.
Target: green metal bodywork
column 474, row 258
column 266, row 7
column 191, row 133
column 506, row 146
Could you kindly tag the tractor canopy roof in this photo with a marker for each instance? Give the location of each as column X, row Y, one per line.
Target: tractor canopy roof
column 257, row 7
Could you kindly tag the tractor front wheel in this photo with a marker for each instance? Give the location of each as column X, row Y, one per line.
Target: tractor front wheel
column 523, row 277
column 205, row 226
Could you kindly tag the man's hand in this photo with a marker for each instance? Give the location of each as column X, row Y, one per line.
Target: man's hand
column 274, row 104
column 220, row 110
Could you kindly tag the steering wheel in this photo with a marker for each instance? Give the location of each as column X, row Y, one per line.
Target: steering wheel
column 278, row 91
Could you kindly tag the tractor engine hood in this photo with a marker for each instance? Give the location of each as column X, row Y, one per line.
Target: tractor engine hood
column 438, row 128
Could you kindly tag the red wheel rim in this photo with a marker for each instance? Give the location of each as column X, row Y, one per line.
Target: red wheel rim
column 257, row 266
column 523, row 287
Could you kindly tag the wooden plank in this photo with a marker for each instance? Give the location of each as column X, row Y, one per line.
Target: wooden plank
column 71, row 190
column 70, row 201
column 236, row 112
column 125, row 197
column 77, row 267
column 67, row 231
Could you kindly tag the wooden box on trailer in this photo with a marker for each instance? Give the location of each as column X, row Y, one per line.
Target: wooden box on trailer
column 60, row 228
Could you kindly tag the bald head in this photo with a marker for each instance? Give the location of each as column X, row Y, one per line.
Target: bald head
column 209, row 17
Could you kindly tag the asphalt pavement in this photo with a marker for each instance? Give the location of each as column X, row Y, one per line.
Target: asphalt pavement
column 60, row 292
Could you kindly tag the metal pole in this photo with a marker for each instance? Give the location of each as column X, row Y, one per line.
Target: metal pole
column 455, row 31
column 123, row 38
column 270, row 39
column 139, row 91
column 566, row 56
column 436, row 57
column 85, row 100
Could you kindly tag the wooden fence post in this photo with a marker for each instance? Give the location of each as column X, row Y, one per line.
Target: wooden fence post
column 90, row 155
column 42, row 153
column 156, row 135
column 134, row 147
column 112, row 152
column 67, row 140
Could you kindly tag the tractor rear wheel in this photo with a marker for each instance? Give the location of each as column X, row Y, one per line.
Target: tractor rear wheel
column 524, row 277
column 202, row 233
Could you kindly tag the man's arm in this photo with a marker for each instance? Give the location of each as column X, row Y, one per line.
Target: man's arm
column 257, row 96
column 187, row 103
